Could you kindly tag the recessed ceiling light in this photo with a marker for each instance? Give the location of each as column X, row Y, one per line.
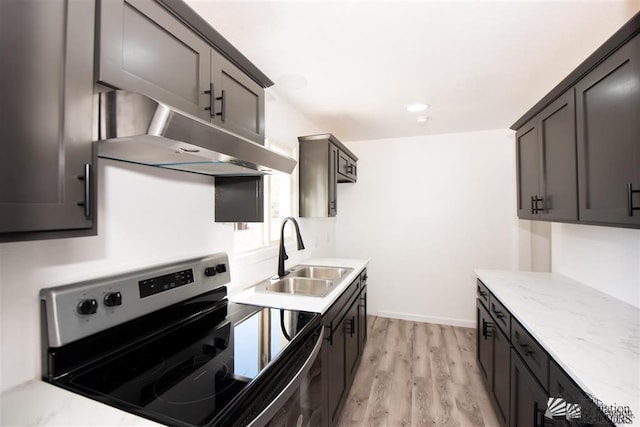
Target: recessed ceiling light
column 292, row 81
column 422, row 120
column 417, row 107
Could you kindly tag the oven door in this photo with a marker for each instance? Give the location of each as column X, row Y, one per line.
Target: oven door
column 300, row 402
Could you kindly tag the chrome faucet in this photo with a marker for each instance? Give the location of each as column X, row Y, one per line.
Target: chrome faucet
column 283, row 254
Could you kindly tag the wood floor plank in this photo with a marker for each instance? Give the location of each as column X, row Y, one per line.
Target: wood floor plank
column 469, row 412
column 457, row 368
column 466, row 338
column 402, row 384
column 356, row 405
column 418, row 374
column 435, row 335
column 446, row 411
column 377, row 413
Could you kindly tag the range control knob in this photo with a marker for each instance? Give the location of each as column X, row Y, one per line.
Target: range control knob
column 210, row 271
column 112, row 299
column 221, row 268
column 87, row 306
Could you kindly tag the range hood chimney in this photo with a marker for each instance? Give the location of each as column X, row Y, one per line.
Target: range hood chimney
column 137, row 129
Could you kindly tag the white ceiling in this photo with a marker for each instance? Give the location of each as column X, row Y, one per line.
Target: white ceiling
column 479, row 64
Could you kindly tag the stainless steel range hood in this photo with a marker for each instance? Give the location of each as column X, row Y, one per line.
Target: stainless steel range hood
column 138, row 129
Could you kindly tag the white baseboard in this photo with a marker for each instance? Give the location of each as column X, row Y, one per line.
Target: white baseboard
column 428, row 319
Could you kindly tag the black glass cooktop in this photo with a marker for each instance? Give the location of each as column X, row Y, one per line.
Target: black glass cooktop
column 187, row 375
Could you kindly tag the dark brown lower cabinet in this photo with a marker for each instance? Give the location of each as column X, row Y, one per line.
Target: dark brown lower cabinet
column 335, row 367
column 493, row 348
column 501, row 365
column 345, row 326
column 587, row 412
column 362, row 316
column 528, row 398
column 484, row 344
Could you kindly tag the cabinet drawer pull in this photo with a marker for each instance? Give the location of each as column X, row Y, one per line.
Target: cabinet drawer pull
column 223, row 102
column 525, row 348
column 211, row 107
column 630, row 193
column 483, row 294
column 498, row 314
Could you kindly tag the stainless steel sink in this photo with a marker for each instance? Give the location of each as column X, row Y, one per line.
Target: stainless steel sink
column 301, row 286
column 316, row 272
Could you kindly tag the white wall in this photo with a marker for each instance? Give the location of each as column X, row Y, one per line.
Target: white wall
column 146, row 216
column 426, row 211
column 605, row 258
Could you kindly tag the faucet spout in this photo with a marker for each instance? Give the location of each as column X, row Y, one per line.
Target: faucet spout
column 282, row 254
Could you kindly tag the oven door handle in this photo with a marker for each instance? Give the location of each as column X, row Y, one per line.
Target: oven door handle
column 293, row 385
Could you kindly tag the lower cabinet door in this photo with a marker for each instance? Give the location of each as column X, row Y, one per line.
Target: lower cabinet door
column 351, row 338
column 528, row 398
column 484, row 344
column 362, row 320
column 501, row 375
column 336, row 379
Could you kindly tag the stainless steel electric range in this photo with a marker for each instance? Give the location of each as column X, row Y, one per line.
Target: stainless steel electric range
column 164, row 343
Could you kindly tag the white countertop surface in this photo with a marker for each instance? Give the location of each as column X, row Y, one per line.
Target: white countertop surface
column 254, row 296
column 594, row 337
column 37, row 403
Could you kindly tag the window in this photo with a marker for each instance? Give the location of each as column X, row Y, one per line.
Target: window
column 279, row 200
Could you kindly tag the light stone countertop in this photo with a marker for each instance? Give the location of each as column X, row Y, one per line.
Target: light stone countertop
column 594, row 337
column 254, row 296
column 37, row 403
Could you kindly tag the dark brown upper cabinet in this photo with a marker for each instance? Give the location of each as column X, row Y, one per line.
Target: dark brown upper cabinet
column 324, row 162
column 145, row 47
column 608, row 128
column 546, row 164
column 47, row 188
column 578, row 149
column 238, row 100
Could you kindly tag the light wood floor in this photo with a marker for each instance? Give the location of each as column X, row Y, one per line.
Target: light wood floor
column 418, row 374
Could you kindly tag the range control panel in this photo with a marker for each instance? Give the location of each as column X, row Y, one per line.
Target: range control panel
column 81, row 309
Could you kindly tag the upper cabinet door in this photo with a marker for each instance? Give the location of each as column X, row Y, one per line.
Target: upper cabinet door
column 528, row 171
column 145, row 49
column 239, row 101
column 559, row 188
column 47, row 96
column 608, row 132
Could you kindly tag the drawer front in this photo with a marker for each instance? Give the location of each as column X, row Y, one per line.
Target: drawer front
column 483, row 293
column 531, row 352
column 500, row 314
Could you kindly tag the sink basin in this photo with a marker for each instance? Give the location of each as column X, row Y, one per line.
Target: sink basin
column 314, row 272
column 301, row 286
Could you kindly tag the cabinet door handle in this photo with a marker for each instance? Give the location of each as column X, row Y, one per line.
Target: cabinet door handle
column 498, row 314
column 630, row 193
column 211, row 108
column 86, row 204
column 223, row 102
column 350, row 169
column 349, row 326
column 486, row 332
column 534, row 204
